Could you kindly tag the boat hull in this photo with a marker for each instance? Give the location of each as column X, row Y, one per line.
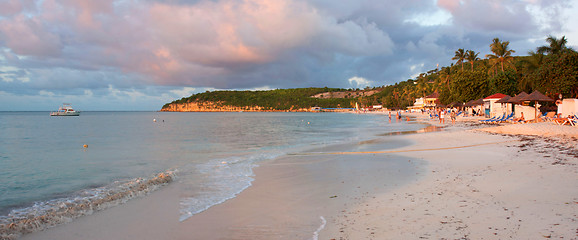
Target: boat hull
column 60, row 114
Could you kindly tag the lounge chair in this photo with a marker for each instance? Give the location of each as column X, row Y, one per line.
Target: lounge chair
column 571, row 120
column 487, row 120
column 492, row 120
column 507, row 118
column 504, row 118
column 549, row 116
column 497, row 120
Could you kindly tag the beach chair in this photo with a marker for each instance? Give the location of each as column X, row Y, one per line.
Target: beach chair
column 507, row 118
column 549, row 116
column 570, row 120
column 491, row 120
column 487, row 120
column 503, row 119
column 573, row 121
column 497, row 120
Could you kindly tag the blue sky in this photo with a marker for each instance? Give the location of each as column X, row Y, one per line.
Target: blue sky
column 140, row 54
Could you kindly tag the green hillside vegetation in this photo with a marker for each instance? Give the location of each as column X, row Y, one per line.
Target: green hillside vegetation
column 280, row 99
column 552, row 69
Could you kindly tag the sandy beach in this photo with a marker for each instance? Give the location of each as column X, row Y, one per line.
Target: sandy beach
column 467, row 182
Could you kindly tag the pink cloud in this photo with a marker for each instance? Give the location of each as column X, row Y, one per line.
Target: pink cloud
column 450, row 5
column 180, row 43
column 29, row 37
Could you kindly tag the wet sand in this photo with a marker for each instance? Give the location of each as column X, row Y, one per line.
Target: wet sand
column 459, row 184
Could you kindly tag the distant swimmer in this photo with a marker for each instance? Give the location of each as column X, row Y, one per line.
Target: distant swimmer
column 154, row 120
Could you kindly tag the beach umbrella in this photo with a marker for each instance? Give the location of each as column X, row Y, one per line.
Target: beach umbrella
column 504, row 99
column 455, row 104
column 516, row 99
column 536, row 97
column 479, row 102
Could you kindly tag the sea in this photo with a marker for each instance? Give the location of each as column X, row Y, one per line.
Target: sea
column 54, row 162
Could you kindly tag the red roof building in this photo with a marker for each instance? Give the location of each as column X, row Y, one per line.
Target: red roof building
column 496, row 96
column 492, row 108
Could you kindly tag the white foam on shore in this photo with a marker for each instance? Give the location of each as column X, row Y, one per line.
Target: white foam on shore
column 226, row 179
column 43, row 215
column 316, row 233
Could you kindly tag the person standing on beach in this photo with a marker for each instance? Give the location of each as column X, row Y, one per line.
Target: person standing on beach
column 453, row 116
column 442, row 116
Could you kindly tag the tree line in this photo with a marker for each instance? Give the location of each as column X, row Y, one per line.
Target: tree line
column 279, row 99
column 551, row 69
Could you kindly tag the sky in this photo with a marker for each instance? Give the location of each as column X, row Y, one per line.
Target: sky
column 137, row 55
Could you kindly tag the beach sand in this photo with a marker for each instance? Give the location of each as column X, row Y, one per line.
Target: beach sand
column 466, row 182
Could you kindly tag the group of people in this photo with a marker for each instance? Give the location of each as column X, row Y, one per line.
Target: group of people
column 397, row 115
column 442, row 114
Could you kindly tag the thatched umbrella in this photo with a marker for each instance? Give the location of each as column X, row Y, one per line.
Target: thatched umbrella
column 536, row 97
column 455, row 104
column 504, row 99
column 516, row 99
column 475, row 102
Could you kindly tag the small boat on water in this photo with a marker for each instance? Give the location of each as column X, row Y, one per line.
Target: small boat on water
column 65, row 110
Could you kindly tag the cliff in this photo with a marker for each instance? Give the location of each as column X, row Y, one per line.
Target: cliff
column 219, row 107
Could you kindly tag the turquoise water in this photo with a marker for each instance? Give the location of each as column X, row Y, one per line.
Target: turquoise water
column 42, row 158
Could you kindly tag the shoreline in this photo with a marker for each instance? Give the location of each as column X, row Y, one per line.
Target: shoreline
column 505, row 187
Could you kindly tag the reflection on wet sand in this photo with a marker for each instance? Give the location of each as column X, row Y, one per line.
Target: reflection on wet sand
column 430, row 128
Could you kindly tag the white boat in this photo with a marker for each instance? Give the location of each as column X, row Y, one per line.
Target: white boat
column 65, row 110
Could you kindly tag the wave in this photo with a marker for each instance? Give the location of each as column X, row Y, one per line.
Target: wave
column 227, row 177
column 43, row 215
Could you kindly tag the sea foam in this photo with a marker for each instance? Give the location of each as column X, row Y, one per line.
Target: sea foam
column 226, row 177
column 43, row 215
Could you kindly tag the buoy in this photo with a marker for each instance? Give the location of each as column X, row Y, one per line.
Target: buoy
column 85, row 145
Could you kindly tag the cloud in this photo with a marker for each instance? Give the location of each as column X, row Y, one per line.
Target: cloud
column 511, row 16
column 359, row 82
column 71, row 46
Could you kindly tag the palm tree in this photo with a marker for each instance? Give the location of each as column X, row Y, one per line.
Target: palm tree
column 496, row 43
column 445, row 76
column 533, row 61
column 472, row 56
column 501, row 53
column 460, row 56
column 421, row 85
column 556, row 45
column 531, row 64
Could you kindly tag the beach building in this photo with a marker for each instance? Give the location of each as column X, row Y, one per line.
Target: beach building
column 492, row 108
column 506, row 107
column 432, row 100
column 376, row 107
column 568, row 106
column 417, row 105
